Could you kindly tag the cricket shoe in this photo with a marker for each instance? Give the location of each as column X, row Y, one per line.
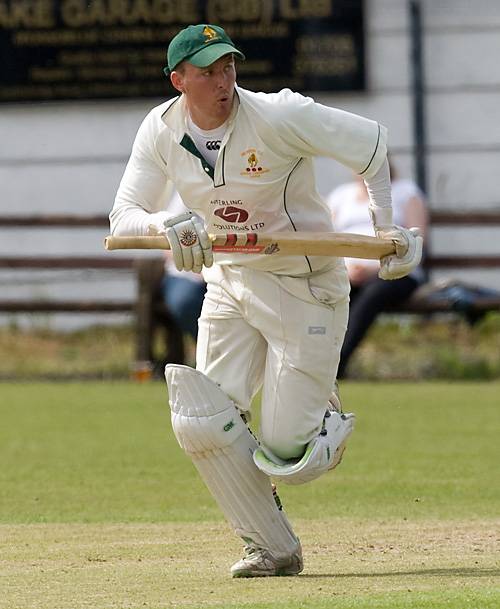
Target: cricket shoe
column 259, row 562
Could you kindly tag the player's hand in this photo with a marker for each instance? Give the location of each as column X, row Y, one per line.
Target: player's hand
column 408, row 254
column 191, row 246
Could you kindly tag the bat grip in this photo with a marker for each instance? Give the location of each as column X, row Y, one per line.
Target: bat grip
column 158, row 242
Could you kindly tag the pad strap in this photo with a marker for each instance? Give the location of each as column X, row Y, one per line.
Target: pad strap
column 322, row 453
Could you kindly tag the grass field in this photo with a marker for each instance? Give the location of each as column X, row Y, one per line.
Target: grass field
column 99, row 508
column 402, row 347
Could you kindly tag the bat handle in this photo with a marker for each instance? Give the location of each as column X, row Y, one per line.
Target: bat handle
column 158, row 242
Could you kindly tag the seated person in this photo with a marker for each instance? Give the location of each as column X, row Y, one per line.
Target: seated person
column 369, row 294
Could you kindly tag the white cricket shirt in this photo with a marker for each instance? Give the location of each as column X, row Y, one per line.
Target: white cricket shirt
column 263, row 180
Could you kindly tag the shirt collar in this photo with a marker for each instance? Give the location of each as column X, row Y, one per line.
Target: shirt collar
column 175, row 116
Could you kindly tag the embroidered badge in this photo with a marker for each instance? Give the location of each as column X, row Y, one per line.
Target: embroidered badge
column 254, row 168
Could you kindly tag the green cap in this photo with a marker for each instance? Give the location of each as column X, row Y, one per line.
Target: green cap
column 200, row 45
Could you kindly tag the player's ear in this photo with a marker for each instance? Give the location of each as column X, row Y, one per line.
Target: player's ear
column 177, row 80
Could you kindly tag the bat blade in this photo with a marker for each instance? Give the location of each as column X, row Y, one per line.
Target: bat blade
column 273, row 244
column 304, row 244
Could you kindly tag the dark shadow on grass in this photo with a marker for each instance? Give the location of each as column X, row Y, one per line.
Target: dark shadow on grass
column 458, row 572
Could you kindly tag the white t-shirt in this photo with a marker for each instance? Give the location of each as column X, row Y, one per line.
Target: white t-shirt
column 208, row 143
column 350, row 212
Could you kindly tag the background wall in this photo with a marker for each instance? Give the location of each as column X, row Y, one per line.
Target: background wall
column 69, row 157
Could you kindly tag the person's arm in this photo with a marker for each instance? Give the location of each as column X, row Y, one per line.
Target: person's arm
column 408, row 242
column 307, row 128
column 310, row 129
column 360, row 271
column 345, row 202
column 139, row 207
column 416, row 215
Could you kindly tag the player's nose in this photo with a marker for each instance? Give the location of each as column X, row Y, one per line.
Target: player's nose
column 222, row 79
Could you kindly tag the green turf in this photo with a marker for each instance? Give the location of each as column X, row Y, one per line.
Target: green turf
column 100, row 508
column 96, row 452
column 446, row 599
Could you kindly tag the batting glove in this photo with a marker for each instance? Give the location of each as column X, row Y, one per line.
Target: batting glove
column 408, row 254
column 191, row 246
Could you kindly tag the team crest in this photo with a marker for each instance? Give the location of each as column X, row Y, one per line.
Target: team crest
column 254, row 168
column 209, row 33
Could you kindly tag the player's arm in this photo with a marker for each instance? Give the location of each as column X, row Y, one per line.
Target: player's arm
column 408, row 242
column 309, row 129
column 416, row 214
column 144, row 187
column 139, row 207
column 312, row 129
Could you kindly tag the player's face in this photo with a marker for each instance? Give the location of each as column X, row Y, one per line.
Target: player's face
column 209, row 91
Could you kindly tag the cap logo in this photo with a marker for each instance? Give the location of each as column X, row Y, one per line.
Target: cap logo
column 209, row 33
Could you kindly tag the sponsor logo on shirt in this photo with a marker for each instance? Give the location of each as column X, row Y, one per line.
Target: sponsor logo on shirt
column 238, row 227
column 231, row 214
column 226, row 202
column 254, row 168
column 213, row 145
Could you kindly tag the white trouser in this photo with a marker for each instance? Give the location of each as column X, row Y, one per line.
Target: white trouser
column 281, row 333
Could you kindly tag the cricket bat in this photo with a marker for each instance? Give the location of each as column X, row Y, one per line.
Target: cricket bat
column 274, row 244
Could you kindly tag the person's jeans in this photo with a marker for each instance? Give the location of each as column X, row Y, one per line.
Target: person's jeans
column 184, row 298
column 367, row 302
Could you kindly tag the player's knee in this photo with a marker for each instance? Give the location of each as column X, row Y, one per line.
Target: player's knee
column 285, row 444
column 203, row 416
column 324, row 452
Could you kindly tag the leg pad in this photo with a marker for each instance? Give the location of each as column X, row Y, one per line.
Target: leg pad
column 209, row 427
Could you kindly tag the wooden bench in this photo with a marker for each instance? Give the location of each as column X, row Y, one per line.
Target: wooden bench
column 424, row 300
column 158, row 339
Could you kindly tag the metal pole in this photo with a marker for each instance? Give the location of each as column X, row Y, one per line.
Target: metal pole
column 418, row 91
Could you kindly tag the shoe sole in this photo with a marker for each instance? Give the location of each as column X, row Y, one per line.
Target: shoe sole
column 260, row 574
column 286, row 571
column 247, row 574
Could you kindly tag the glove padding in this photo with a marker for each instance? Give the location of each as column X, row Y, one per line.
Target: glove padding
column 408, row 254
column 190, row 245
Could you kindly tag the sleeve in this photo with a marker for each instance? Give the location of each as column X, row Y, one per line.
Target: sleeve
column 144, row 188
column 312, row 129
